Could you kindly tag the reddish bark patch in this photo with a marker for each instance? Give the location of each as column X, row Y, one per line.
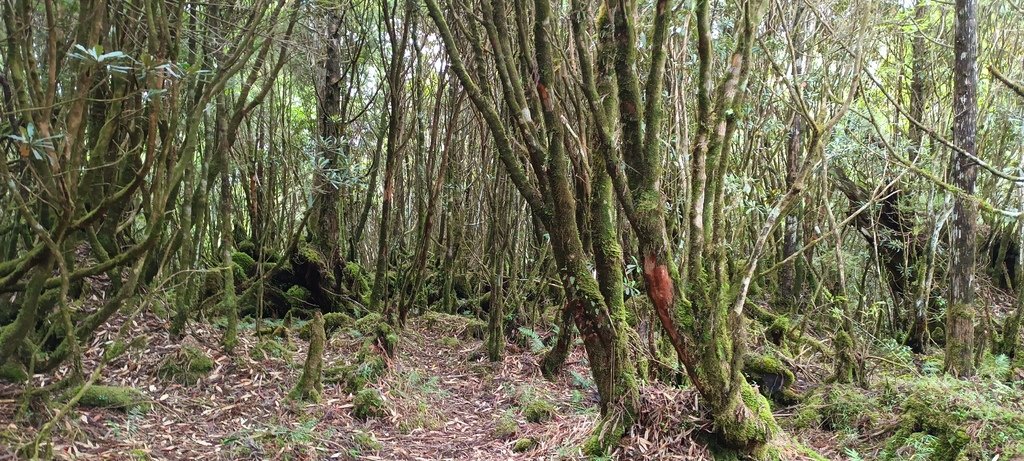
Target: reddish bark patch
column 545, row 98
column 662, row 293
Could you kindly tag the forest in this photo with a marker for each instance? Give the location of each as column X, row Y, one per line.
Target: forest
column 512, row 229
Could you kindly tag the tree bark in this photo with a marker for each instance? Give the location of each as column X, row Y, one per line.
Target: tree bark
column 963, row 173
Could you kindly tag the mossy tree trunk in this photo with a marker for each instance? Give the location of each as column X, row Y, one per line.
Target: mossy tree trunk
column 325, row 228
column 310, row 386
column 543, row 178
column 701, row 307
column 960, row 315
column 498, row 243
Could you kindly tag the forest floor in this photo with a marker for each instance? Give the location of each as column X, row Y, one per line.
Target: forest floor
column 443, row 402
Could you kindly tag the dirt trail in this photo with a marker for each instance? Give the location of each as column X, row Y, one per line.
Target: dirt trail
column 468, row 397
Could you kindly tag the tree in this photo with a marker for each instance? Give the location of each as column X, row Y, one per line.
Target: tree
column 963, row 173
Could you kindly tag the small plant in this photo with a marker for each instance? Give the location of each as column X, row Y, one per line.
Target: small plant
column 450, row 342
column 506, row 427
column 539, row 411
column 533, row 339
column 187, row 365
column 368, row 403
column 365, row 441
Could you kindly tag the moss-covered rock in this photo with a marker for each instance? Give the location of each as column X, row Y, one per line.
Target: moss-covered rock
column 524, row 444
column 248, row 248
column 213, row 282
column 187, row 365
column 373, row 325
column 367, row 366
column 245, row 262
column 774, row 379
column 115, row 397
column 368, row 403
column 306, row 254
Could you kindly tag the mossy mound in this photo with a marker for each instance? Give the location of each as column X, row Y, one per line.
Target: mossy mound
column 506, row 426
column 948, row 419
column 373, row 325
column 187, row 365
column 368, row 403
column 248, row 248
column 333, row 321
column 357, row 280
column 13, row 373
column 298, row 297
column 774, row 379
column 524, row 444
column 459, row 326
column 115, row 397
column 367, row 367
column 538, row 410
column 839, row 407
column 305, row 254
column 245, row 262
column 450, row 342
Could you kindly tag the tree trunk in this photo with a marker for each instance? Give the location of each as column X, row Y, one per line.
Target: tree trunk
column 963, row 173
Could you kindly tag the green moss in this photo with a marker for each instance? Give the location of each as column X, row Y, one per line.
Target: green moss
column 808, row 415
column 115, row 397
column 298, row 297
column 778, row 329
column 307, row 254
column 310, row 384
column 605, row 436
column 333, row 321
column 368, row 403
column 367, row 366
column 358, row 280
column 271, row 348
column 450, row 342
column 774, row 379
column 374, row 325
column 245, row 262
column 13, row 372
column 758, row 364
column 848, row 408
column 366, row 441
column 187, row 365
column 524, row 444
column 538, row 410
column 506, row 426
column 248, row 248
column 759, row 425
column 212, row 283
column 946, row 418
column 459, row 326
